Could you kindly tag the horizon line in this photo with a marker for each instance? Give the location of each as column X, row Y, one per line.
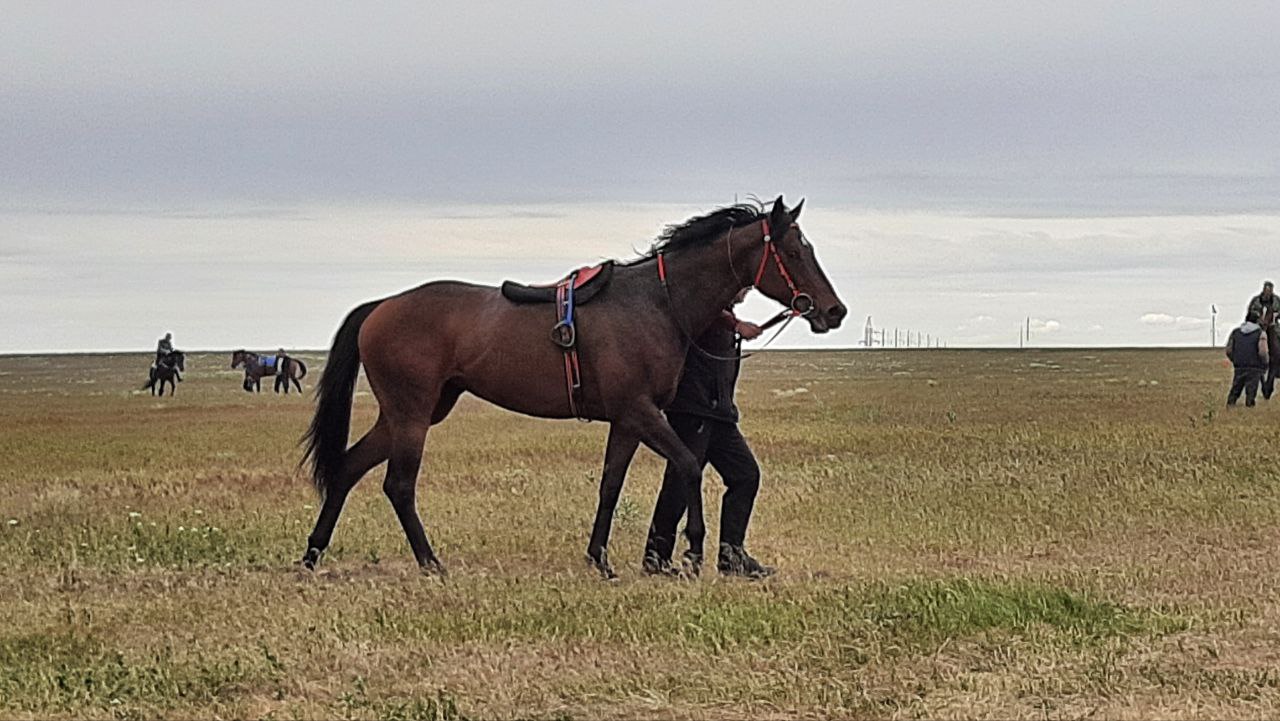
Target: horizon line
column 804, row 349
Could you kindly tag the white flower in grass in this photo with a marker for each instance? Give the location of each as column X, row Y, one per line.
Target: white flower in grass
column 199, row 512
column 134, row 514
column 13, row 521
column 181, row 529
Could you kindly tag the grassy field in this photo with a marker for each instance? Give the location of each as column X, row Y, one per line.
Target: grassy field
column 959, row 534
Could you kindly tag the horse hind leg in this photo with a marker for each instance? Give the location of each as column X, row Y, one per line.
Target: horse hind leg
column 401, row 487
column 372, row 449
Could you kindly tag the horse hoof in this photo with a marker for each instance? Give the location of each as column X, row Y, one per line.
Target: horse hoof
column 434, row 567
column 601, row 565
column 655, row 565
column 311, row 558
column 692, row 566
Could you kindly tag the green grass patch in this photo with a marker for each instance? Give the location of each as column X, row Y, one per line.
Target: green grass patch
column 65, row 669
column 927, row 612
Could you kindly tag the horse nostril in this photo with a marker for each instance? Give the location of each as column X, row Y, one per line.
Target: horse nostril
column 837, row 312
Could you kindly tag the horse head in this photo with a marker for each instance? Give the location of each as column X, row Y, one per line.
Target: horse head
column 237, row 358
column 789, row 272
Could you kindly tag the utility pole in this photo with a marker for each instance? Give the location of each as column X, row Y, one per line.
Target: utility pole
column 1213, row 326
column 1028, row 330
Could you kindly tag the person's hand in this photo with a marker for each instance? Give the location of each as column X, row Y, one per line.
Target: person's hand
column 748, row 330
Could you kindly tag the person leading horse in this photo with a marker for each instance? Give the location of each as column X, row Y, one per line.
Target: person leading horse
column 423, row 348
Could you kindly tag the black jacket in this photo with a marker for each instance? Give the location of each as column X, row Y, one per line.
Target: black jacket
column 707, row 384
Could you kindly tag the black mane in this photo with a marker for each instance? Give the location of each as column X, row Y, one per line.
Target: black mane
column 703, row 228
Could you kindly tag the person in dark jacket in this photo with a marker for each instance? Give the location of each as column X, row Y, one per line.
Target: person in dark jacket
column 1267, row 305
column 1247, row 348
column 705, row 417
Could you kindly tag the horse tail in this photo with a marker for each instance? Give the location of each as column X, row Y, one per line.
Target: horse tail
column 302, row 368
column 326, row 439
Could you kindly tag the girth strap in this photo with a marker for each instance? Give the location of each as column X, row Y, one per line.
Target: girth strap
column 565, row 335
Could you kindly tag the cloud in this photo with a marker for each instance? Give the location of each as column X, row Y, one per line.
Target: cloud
column 1045, row 326
column 1180, row 322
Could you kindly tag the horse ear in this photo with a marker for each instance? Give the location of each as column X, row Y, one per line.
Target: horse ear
column 779, row 219
column 795, row 212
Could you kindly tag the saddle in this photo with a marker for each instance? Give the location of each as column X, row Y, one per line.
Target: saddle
column 577, row 288
column 587, row 283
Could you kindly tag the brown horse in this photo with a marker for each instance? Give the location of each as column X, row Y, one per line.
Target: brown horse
column 285, row 368
column 424, row 348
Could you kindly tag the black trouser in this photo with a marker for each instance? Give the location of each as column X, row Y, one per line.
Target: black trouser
column 721, row 444
column 1246, row 379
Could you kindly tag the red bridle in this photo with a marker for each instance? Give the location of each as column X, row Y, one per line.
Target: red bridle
column 801, row 303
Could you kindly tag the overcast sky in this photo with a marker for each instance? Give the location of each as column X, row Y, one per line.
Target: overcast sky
column 1108, row 171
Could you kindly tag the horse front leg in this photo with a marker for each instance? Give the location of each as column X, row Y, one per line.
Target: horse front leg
column 619, row 450
column 675, row 499
column 681, row 488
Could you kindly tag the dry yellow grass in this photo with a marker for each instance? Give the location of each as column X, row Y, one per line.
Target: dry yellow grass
column 960, row 534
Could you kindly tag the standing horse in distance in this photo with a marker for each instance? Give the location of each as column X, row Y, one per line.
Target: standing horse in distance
column 285, row 368
column 424, row 348
column 166, row 370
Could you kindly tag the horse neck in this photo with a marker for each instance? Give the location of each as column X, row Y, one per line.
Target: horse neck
column 703, row 280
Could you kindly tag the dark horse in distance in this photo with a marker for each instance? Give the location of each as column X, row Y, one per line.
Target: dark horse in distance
column 424, row 348
column 166, row 370
column 285, row 368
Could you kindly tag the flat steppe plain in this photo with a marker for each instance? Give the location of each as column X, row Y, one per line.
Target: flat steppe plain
column 1038, row 533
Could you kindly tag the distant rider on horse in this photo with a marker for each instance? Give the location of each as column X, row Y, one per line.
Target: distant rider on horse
column 163, row 348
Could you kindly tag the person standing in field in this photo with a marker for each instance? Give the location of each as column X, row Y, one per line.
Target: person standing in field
column 1248, row 350
column 1267, row 305
column 705, row 417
